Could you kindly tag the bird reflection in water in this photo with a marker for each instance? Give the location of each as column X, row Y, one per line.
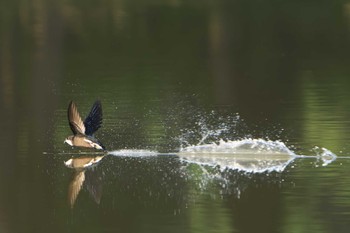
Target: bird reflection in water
column 84, row 174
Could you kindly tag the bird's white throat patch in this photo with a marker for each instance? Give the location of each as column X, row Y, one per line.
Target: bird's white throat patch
column 69, row 142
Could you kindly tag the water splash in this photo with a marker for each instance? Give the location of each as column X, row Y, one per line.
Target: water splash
column 230, row 166
column 325, row 155
column 248, row 155
column 214, row 156
column 216, row 141
column 210, row 128
column 211, row 140
column 244, row 146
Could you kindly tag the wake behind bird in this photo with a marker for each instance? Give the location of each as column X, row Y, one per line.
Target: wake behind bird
column 247, row 155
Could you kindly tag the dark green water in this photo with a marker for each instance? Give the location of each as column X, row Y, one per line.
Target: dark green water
column 171, row 74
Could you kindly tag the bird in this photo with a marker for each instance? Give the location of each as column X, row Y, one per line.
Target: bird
column 83, row 131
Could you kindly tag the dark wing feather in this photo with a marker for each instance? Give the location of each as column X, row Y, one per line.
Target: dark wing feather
column 94, row 120
column 74, row 119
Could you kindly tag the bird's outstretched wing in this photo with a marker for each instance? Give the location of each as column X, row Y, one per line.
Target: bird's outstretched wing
column 94, row 120
column 74, row 119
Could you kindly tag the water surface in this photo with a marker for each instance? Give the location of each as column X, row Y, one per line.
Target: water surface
column 219, row 116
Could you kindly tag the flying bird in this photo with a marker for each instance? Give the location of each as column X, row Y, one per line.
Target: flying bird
column 83, row 130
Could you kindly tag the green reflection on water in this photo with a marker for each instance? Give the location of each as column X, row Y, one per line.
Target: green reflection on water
column 151, row 63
